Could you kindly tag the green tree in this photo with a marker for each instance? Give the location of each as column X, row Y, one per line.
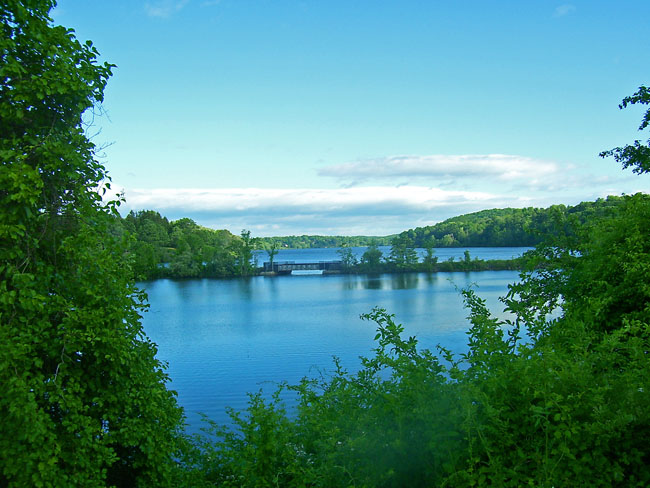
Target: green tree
column 348, row 258
column 145, row 261
column 245, row 253
column 153, row 234
column 271, row 248
column 429, row 260
column 371, row 259
column 574, row 392
column 467, row 260
column 637, row 154
column 447, row 240
column 402, row 252
column 84, row 401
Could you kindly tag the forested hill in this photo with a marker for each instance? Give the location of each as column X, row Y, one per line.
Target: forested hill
column 488, row 228
column 506, row 226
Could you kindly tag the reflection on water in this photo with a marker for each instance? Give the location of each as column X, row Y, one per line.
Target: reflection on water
column 362, row 282
column 399, row 281
column 372, row 282
column 224, row 338
column 245, row 287
column 315, row 255
column 431, row 278
column 404, row 281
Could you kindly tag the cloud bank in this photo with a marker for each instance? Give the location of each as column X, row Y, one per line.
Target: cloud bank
column 503, row 168
column 460, row 184
column 369, row 210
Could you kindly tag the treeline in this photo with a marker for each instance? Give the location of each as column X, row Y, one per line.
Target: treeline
column 500, row 227
column 507, row 226
column 183, row 249
column 307, row 242
column 160, row 248
column 403, row 258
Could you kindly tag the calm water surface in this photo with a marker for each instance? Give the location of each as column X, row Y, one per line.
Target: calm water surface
column 331, row 254
column 224, row 338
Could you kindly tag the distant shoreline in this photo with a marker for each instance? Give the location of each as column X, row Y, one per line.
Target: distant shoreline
column 474, row 265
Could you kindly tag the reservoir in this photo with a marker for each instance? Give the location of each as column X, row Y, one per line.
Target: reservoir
column 224, row 338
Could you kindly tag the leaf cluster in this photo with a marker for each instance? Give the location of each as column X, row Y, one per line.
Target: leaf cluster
column 637, row 154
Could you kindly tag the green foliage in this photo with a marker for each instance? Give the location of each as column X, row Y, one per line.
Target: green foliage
column 600, row 271
column 636, row 155
column 429, row 262
column 260, row 453
column 402, row 252
column 378, row 427
column 183, row 249
column 568, row 406
column 557, row 411
column 348, row 258
column 83, row 401
column 505, row 227
column 271, row 249
column 371, row 259
column 244, row 254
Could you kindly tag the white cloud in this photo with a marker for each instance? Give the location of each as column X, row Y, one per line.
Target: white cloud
column 301, row 200
column 164, row 8
column 564, row 9
column 367, row 210
column 460, row 184
column 452, row 168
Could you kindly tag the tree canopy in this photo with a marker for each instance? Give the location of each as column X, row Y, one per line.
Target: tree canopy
column 84, row 400
column 182, row 248
column 506, row 226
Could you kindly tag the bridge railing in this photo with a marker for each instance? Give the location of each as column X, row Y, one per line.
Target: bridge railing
column 288, row 266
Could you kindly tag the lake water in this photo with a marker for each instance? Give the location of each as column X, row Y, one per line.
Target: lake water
column 224, row 338
column 443, row 254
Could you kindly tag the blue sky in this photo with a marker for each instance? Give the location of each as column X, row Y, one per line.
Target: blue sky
column 363, row 117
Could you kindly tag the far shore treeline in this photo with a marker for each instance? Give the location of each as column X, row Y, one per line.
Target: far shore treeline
column 160, row 248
